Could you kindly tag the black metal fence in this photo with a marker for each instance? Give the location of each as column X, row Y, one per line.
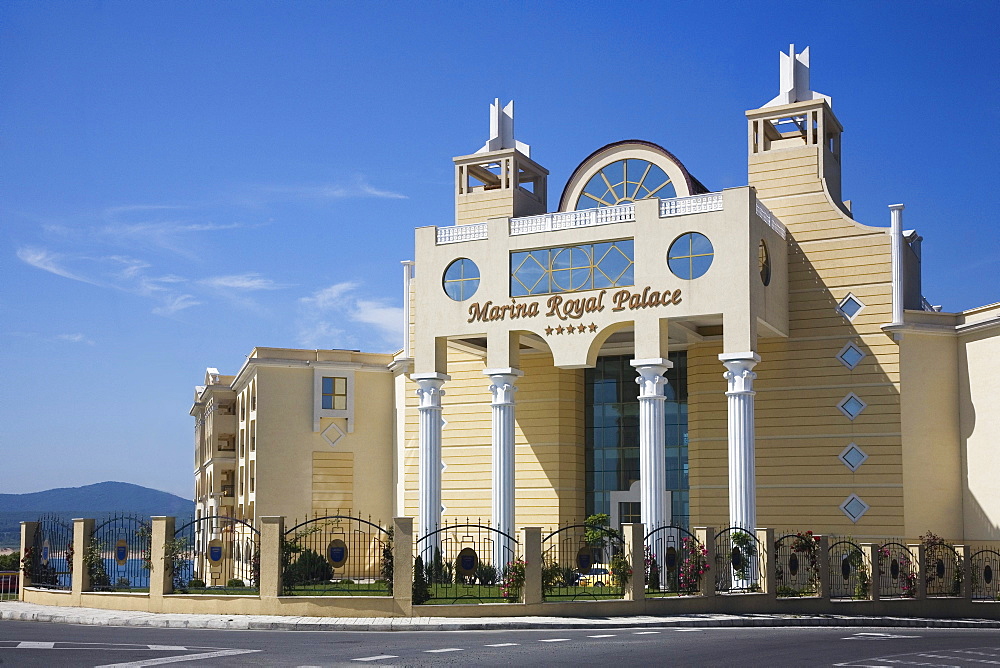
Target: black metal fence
column 52, row 553
column 673, row 561
column 942, row 570
column 898, row 570
column 796, row 564
column 467, row 563
column 215, row 554
column 739, row 561
column 116, row 555
column 576, row 562
column 337, row 555
column 985, row 568
column 850, row 570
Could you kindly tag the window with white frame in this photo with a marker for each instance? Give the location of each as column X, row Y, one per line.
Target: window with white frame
column 851, row 406
column 334, row 393
column 333, row 390
column 850, row 306
column 853, row 456
column 854, row 507
column 850, row 355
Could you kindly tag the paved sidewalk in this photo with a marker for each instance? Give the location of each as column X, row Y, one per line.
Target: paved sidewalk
column 16, row 610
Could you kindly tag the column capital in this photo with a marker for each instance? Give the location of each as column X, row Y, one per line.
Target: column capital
column 739, row 371
column 651, row 380
column 502, row 386
column 429, row 388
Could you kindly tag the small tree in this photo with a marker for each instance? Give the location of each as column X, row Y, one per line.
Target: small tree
column 387, row 567
column 421, row 591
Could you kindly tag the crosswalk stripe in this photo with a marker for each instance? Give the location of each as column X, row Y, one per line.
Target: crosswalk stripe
column 504, row 644
column 27, row 644
column 377, row 658
column 606, row 635
column 554, row 640
column 446, row 649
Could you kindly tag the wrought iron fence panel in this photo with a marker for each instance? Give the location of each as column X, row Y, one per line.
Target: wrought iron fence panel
column 943, row 570
column 796, row 565
column 576, row 562
column 52, row 553
column 119, row 546
column 673, row 559
column 850, row 570
column 739, row 561
column 898, row 571
column 337, row 555
column 466, row 562
column 215, row 554
column 985, row 571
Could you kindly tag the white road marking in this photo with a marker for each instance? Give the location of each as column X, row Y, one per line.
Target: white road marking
column 377, row 658
column 178, row 647
column 689, row 629
column 644, row 633
column 504, row 644
column 446, row 649
column 606, row 635
column 177, row 659
column 554, row 640
column 27, row 644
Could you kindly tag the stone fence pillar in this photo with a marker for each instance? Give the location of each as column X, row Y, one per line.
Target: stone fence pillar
column 635, row 556
column 83, row 529
column 825, row 584
column 870, row 553
column 402, row 564
column 161, row 575
column 28, row 530
column 765, row 538
column 531, row 548
column 920, row 555
column 706, row 536
column 272, row 535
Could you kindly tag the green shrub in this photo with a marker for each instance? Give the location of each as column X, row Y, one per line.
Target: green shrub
column 196, row 583
column 235, row 582
column 421, row 591
column 10, row 562
column 310, row 568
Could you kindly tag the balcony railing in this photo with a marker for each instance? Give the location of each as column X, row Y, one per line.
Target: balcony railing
column 765, row 214
column 623, row 213
column 548, row 222
column 458, row 233
column 681, row 206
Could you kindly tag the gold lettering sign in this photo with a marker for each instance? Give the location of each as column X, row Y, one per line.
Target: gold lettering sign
column 574, row 308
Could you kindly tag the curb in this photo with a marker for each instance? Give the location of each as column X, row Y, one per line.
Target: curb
column 94, row 617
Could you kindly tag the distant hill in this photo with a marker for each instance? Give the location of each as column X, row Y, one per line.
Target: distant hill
column 98, row 500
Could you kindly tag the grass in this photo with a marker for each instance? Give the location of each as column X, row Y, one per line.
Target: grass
column 338, row 589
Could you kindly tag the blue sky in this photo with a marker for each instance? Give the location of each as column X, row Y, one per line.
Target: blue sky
column 183, row 181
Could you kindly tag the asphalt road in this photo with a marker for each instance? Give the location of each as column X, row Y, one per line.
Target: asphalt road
column 47, row 644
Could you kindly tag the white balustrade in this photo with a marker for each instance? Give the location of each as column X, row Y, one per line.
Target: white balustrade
column 682, row 206
column 459, row 233
column 765, row 214
column 567, row 220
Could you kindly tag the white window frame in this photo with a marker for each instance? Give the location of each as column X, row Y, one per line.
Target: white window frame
column 321, row 372
column 840, row 306
column 848, row 501
column 847, row 414
column 843, row 456
column 849, row 346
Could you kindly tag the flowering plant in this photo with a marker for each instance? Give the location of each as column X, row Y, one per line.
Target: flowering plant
column 513, row 581
column 693, row 565
column 903, row 567
column 621, row 570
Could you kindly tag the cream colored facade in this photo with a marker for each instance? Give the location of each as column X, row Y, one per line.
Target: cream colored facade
column 848, row 406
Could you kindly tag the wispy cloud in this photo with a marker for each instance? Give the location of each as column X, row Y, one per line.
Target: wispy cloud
column 357, row 188
column 74, row 338
column 323, row 314
column 252, row 281
column 176, row 303
column 46, row 260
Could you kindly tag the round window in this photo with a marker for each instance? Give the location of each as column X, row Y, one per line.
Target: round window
column 461, row 279
column 764, row 263
column 690, row 255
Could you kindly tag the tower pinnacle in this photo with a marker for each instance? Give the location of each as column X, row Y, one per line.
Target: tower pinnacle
column 794, row 79
column 502, row 130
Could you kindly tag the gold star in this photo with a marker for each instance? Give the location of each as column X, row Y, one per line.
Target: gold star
column 548, row 331
column 559, row 329
column 581, row 328
column 593, row 327
column 570, row 329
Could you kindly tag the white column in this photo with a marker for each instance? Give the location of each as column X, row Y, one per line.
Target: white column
column 502, row 388
column 429, row 503
column 652, row 442
column 896, row 230
column 742, row 472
